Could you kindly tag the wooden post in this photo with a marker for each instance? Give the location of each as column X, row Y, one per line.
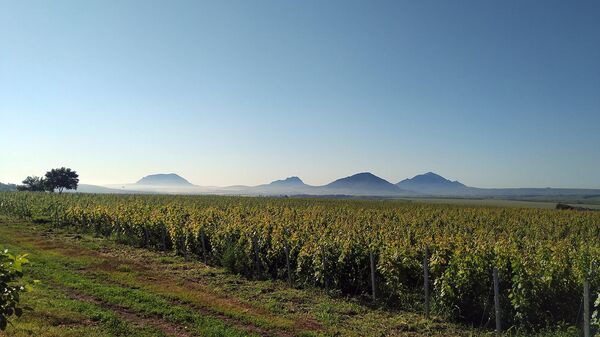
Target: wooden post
column 372, row 259
column 586, row 308
column 255, row 247
column 145, row 236
column 287, row 262
column 164, row 237
column 497, row 301
column 202, row 237
column 426, row 280
column 592, row 274
column 181, row 246
column 324, row 265
column 587, row 326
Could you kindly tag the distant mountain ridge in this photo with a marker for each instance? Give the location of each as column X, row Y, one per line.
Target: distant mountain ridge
column 8, row 187
column 434, row 184
column 363, row 183
column 287, row 186
column 162, row 179
column 430, row 178
column 294, row 181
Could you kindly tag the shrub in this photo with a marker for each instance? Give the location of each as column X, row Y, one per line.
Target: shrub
column 11, row 269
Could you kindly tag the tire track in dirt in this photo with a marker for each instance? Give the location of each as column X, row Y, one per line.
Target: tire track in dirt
column 205, row 302
column 157, row 322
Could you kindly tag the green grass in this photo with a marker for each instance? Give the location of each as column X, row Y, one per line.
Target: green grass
column 53, row 313
column 57, row 303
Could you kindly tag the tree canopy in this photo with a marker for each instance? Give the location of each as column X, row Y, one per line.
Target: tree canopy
column 61, row 179
column 33, row 183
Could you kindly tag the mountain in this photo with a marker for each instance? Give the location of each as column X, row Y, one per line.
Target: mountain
column 362, row 184
column 430, row 178
column 288, row 186
column 162, row 179
column 8, row 187
column 291, row 181
column 433, row 184
column 161, row 183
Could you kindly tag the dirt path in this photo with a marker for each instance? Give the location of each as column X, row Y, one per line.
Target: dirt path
column 133, row 318
column 149, row 274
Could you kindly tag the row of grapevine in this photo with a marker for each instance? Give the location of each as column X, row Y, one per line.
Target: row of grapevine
column 542, row 256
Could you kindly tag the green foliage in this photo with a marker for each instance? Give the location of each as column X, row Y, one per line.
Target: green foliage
column 542, row 255
column 61, row 179
column 33, row 184
column 11, row 269
column 234, row 259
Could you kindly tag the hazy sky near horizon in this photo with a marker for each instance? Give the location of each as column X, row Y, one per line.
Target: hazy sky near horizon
column 491, row 93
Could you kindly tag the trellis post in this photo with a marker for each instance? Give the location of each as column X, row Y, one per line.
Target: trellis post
column 498, row 312
column 255, row 247
column 202, row 238
column 587, row 326
column 164, row 238
column 287, row 259
column 324, row 265
column 372, row 260
column 426, row 280
column 145, row 236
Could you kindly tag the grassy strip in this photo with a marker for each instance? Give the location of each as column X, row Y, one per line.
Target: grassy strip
column 53, row 313
column 55, row 269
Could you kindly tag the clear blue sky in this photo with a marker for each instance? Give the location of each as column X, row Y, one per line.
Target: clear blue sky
column 492, row 93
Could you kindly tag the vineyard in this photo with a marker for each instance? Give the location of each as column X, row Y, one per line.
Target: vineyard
column 542, row 257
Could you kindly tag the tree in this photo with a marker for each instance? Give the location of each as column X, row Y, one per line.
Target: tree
column 33, row 183
column 61, row 179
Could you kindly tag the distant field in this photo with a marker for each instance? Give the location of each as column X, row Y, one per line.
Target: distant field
column 500, row 202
